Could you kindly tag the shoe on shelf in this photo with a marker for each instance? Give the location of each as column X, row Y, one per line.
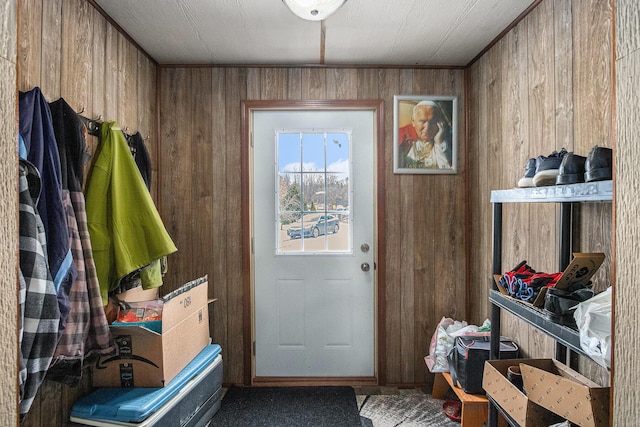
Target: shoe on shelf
column 598, row 164
column 571, row 169
column 547, row 168
column 559, row 305
column 529, row 171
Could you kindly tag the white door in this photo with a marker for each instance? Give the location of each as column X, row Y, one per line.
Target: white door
column 313, row 222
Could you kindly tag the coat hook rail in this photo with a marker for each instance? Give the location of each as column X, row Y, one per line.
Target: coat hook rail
column 93, row 126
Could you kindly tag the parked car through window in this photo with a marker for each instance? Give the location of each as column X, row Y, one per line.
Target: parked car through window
column 313, row 225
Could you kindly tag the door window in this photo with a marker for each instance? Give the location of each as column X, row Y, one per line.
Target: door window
column 313, row 192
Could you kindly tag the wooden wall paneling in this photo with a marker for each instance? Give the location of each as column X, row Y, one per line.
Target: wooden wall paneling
column 563, row 89
column 593, row 91
column 126, row 85
column 51, row 49
column 496, row 148
column 420, row 296
column 389, row 85
column 29, row 49
column 542, row 136
column 273, row 83
column 515, row 140
column 626, row 373
column 294, row 83
column 479, row 264
column 129, row 101
column 72, row 60
column 111, row 95
column 218, row 283
column 202, row 183
column 563, row 74
column 8, row 224
column 367, row 83
column 593, row 95
column 395, row 83
column 442, row 291
column 313, row 83
column 416, row 272
column 9, row 227
column 75, row 69
column 176, row 181
column 342, row 83
column 99, row 78
column 592, row 73
column 236, row 83
column 449, row 221
column 253, row 83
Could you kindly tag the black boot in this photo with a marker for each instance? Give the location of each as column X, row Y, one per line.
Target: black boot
column 598, row 164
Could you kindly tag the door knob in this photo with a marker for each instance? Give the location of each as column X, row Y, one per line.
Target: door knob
column 365, row 266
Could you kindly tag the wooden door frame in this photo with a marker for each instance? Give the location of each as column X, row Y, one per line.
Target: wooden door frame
column 377, row 106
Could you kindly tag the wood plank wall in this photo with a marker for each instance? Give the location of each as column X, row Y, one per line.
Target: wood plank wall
column 546, row 85
column 8, row 206
column 200, row 199
column 69, row 50
column 626, row 402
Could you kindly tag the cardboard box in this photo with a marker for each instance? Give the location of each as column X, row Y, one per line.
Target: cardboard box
column 145, row 358
column 512, row 401
column 565, row 392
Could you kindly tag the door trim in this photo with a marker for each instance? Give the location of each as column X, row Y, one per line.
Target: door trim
column 247, row 109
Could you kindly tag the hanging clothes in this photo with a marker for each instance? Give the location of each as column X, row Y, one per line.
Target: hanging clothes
column 126, row 230
column 38, row 302
column 140, row 156
column 42, row 151
column 148, row 277
column 86, row 334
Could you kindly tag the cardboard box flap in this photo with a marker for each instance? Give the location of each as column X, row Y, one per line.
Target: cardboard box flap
column 183, row 302
column 566, row 393
column 512, row 401
column 582, row 267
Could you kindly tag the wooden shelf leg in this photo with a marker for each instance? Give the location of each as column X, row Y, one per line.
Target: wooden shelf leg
column 440, row 387
column 474, row 414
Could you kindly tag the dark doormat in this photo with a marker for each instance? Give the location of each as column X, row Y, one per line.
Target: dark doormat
column 288, row 406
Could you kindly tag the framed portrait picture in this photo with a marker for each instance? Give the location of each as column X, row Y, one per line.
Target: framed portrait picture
column 425, row 134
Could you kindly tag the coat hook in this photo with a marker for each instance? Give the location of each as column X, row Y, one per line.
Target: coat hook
column 126, row 128
column 99, row 117
column 81, row 111
column 146, row 138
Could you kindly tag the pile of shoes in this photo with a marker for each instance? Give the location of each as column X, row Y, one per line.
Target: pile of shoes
column 563, row 167
column 560, row 304
column 525, row 283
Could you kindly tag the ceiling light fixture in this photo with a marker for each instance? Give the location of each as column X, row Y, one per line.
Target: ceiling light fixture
column 313, row 10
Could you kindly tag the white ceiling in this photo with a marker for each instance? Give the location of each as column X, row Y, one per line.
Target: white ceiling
column 361, row 32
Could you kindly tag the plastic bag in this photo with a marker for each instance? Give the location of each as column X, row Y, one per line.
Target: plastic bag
column 443, row 340
column 441, row 343
column 593, row 318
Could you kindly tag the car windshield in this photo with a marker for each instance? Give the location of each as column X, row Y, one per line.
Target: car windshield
column 308, row 219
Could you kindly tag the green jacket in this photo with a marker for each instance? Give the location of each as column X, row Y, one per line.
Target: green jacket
column 126, row 230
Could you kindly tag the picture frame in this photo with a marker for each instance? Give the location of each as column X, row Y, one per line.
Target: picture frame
column 425, row 134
